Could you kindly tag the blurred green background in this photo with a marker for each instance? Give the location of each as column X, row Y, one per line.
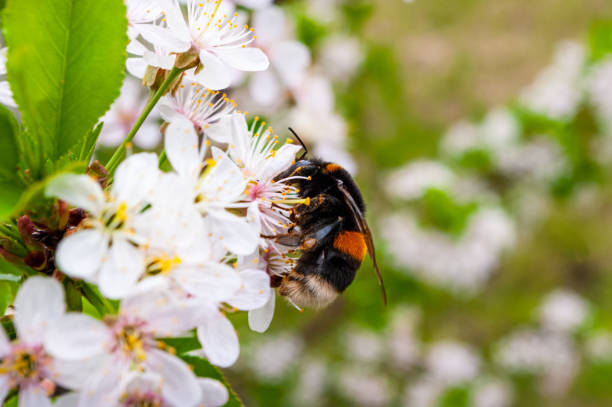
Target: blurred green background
column 429, row 64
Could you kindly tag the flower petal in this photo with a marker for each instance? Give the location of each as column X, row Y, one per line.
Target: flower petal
column 260, row 319
column 291, row 59
column 135, row 178
column 236, row 233
column 69, row 373
column 80, row 254
column 265, row 88
column 182, row 148
column 5, row 386
column 214, row 393
column 254, row 292
column 221, row 131
column 162, row 37
column 6, row 95
column 280, row 162
column 5, row 344
column 105, row 384
column 219, row 340
column 78, row 190
column 160, row 61
column 225, row 182
column 136, row 67
column 121, row 270
column 245, row 59
column 176, row 21
column 136, row 47
column 270, row 25
column 214, row 74
column 39, row 304
column 180, row 386
column 216, row 282
column 68, row 400
column 33, row 396
column 76, row 337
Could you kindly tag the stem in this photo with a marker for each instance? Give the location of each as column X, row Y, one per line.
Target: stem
column 111, row 165
column 163, row 158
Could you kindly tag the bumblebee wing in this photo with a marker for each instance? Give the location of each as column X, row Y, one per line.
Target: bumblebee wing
column 365, row 229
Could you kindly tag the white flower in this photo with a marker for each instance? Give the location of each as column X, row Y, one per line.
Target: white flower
column 125, row 344
column 312, row 383
column 493, row 393
column 363, row 345
column 549, row 354
column 364, row 388
column 599, row 87
column 275, row 355
column 563, row 311
column 124, row 113
column 221, row 186
column 452, row 363
column 140, row 12
column 425, row 392
column 414, row 179
column 147, row 390
column 199, row 105
column 462, row 264
column 254, row 151
column 105, row 251
column 340, row 57
column 25, row 363
column 140, row 57
column 289, row 58
column 6, row 96
column 556, row 91
column 402, row 343
column 214, row 38
column 540, row 160
column 499, row 130
column 252, row 4
column 460, row 138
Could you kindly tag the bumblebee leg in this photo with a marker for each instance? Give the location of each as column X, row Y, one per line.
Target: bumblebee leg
column 288, row 239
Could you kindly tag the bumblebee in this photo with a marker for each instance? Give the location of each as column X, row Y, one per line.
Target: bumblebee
column 330, row 231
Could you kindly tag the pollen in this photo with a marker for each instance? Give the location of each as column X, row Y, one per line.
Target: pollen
column 122, row 212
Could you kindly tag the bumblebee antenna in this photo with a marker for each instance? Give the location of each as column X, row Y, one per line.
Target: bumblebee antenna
column 301, row 142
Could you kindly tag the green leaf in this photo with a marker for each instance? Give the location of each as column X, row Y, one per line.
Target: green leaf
column 203, row 368
column 600, row 40
column 65, row 66
column 10, row 197
column 183, row 344
column 8, row 290
column 15, row 197
column 9, row 152
column 11, row 187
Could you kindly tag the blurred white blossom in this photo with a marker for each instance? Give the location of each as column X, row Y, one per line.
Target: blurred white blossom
column 563, row 311
column 556, row 92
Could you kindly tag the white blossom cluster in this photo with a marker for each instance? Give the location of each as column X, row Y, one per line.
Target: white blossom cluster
column 178, row 249
column 462, row 263
column 295, row 90
column 526, row 164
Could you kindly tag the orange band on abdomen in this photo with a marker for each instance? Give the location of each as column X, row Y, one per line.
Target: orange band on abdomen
column 351, row 243
column 331, row 167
